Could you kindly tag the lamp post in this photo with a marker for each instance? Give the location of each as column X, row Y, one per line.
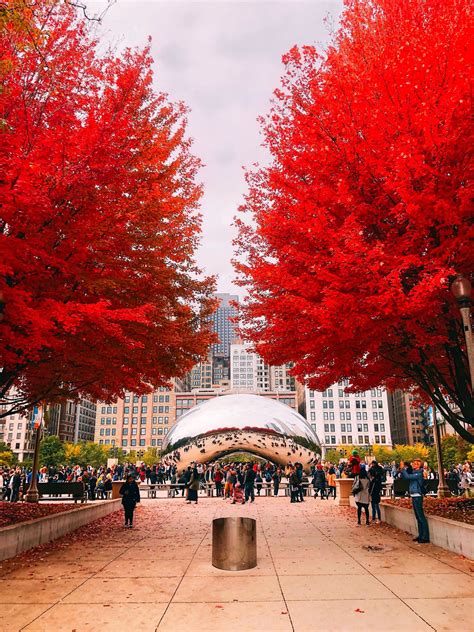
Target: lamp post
column 32, row 495
column 443, row 489
column 462, row 289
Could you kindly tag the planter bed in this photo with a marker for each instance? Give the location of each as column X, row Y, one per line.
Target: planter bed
column 25, row 535
column 458, row 508
column 14, row 513
column 452, row 535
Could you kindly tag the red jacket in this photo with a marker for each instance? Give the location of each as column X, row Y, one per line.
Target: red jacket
column 355, row 464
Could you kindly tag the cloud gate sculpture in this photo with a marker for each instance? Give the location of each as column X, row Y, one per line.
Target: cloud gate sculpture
column 242, row 423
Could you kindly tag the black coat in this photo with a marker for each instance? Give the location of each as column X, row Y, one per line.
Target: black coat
column 130, row 494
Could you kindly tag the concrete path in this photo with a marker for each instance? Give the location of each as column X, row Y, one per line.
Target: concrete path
column 315, row 572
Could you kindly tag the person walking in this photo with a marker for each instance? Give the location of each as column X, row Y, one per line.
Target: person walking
column 331, row 481
column 130, row 497
column 319, row 481
column 249, row 482
column 375, row 490
column 218, row 478
column 193, row 486
column 294, row 486
column 276, row 478
column 362, row 496
column 414, row 475
column 15, row 483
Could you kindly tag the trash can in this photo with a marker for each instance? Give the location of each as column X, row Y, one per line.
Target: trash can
column 234, row 543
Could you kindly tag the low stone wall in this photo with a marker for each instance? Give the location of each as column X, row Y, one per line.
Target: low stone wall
column 451, row 535
column 20, row 537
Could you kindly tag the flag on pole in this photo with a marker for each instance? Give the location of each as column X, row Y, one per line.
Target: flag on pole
column 37, row 417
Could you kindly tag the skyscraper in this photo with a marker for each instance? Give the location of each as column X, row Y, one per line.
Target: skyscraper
column 222, row 325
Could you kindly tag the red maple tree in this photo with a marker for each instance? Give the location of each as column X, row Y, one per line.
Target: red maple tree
column 99, row 217
column 364, row 212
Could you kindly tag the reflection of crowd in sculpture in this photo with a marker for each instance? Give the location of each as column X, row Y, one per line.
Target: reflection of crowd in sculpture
column 212, row 446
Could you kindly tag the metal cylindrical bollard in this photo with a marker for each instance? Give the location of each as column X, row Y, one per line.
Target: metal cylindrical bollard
column 234, row 543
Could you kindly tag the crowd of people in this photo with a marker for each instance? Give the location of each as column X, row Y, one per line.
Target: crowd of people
column 240, row 483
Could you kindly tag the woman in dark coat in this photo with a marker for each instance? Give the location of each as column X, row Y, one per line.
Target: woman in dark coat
column 130, row 497
column 375, row 489
column 193, row 486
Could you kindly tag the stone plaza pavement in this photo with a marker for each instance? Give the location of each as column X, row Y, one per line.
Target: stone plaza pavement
column 314, row 573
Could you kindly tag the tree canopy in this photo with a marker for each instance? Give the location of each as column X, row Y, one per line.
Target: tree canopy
column 351, row 235
column 99, row 220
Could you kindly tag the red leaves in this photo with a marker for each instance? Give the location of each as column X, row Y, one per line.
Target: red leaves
column 455, row 508
column 13, row 513
column 362, row 215
column 99, row 217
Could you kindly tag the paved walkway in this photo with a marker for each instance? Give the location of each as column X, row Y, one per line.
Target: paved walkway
column 314, row 573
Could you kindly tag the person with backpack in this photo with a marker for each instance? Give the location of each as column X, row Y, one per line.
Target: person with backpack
column 416, row 490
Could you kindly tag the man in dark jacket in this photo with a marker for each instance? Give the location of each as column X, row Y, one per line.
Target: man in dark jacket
column 319, row 482
column 249, row 482
column 415, row 489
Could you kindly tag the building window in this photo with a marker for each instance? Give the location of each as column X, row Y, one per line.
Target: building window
column 133, row 442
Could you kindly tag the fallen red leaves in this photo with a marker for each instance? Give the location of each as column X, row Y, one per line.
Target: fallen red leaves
column 13, row 513
column 456, row 508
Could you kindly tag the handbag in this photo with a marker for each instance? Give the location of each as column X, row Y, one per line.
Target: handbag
column 356, row 486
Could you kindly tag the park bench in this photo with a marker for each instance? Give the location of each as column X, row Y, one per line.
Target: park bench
column 57, row 489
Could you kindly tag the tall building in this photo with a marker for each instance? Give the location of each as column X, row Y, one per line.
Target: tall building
column 17, row 432
column 248, row 371
column 136, row 422
column 69, row 420
column 341, row 418
column 186, row 401
column 223, row 326
column 84, row 426
column 409, row 423
column 200, row 376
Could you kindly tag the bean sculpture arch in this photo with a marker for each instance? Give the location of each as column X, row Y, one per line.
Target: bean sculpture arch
column 242, row 423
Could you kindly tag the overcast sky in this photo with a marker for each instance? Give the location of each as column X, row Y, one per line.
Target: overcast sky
column 223, row 59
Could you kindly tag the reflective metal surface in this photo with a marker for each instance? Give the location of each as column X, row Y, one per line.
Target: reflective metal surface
column 235, row 423
column 234, row 543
